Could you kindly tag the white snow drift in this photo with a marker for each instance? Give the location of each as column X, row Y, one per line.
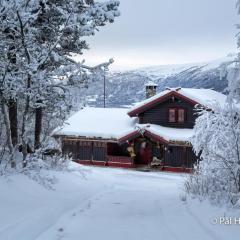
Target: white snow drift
column 98, row 203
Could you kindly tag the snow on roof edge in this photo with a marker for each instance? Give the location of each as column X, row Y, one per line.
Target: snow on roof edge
column 98, row 123
column 205, row 97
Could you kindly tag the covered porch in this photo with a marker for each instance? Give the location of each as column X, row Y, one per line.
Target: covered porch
column 142, row 150
column 151, row 150
column 97, row 152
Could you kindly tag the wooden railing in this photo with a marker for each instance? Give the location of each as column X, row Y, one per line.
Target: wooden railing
column 122, row 159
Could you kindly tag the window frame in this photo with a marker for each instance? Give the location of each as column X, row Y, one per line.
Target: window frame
column 175, row 118
column 184, row 115
column 176, row 115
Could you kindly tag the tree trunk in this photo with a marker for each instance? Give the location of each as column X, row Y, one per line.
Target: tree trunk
column 27, row 101
column 13, row 117
column 23, row 135
column 8, row 132
column 38, row 127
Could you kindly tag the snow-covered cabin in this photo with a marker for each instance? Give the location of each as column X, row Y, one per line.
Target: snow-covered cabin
column 156, row 131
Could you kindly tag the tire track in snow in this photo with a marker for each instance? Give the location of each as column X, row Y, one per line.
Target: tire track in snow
column 206, row 230
column 165, row 224
column 67, row 216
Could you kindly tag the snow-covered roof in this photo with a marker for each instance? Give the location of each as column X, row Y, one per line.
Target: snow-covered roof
column 205, row 97
column 114, row 123
column 167, row 133
column 162, row 133
column 107, row 123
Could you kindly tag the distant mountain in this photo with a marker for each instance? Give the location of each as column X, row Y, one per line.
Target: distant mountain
column 126, row 88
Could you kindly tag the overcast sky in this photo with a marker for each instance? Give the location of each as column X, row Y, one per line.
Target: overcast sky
column 154, row 32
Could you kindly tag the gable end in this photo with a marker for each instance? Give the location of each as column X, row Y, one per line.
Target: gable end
column 159, row 100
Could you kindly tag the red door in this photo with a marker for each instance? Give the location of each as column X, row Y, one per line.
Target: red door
column 145, row 154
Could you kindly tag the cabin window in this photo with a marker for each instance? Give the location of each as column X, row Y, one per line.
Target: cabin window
column 176, row 115
column 172, row 115
column 181, row 115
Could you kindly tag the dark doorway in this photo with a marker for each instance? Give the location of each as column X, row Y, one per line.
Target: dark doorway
column 143, row 149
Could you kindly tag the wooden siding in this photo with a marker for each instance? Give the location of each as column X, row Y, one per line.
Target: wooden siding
column 159, row 114
column 176, row 156
column 69, row 148
column 99, row 151
column 85, row 150
column 191, row 158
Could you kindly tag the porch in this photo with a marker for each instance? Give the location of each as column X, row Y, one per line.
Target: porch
column 97, row 152
column 142, row 152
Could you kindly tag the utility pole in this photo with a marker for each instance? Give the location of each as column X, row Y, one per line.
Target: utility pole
column 104, row 88
column 103, row 67
column 105, row 70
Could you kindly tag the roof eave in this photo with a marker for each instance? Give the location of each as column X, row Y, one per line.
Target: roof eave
column 84, row 138
column 134, row 134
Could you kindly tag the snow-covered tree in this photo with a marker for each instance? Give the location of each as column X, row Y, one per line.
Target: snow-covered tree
column 217, row 142
column 234, row 81
column 37, row 41
column 234, row 73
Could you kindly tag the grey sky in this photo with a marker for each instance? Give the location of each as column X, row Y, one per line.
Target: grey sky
column 153, row 32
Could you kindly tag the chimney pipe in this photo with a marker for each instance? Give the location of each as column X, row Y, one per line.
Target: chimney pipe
column 151, row 89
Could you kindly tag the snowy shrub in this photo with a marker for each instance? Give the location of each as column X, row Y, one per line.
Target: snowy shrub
column 41, row 168
column 44, row 178
column 217, row 140
column 39, row 161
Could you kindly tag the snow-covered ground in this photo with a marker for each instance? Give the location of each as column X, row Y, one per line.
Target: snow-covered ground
column 98, row 203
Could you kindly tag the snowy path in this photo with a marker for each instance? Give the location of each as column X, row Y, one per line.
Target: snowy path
column 115, row 204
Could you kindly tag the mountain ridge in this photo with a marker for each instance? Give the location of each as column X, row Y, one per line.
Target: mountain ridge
column 126, row 88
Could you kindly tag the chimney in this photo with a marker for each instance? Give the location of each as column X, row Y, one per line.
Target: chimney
column 151, row 89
